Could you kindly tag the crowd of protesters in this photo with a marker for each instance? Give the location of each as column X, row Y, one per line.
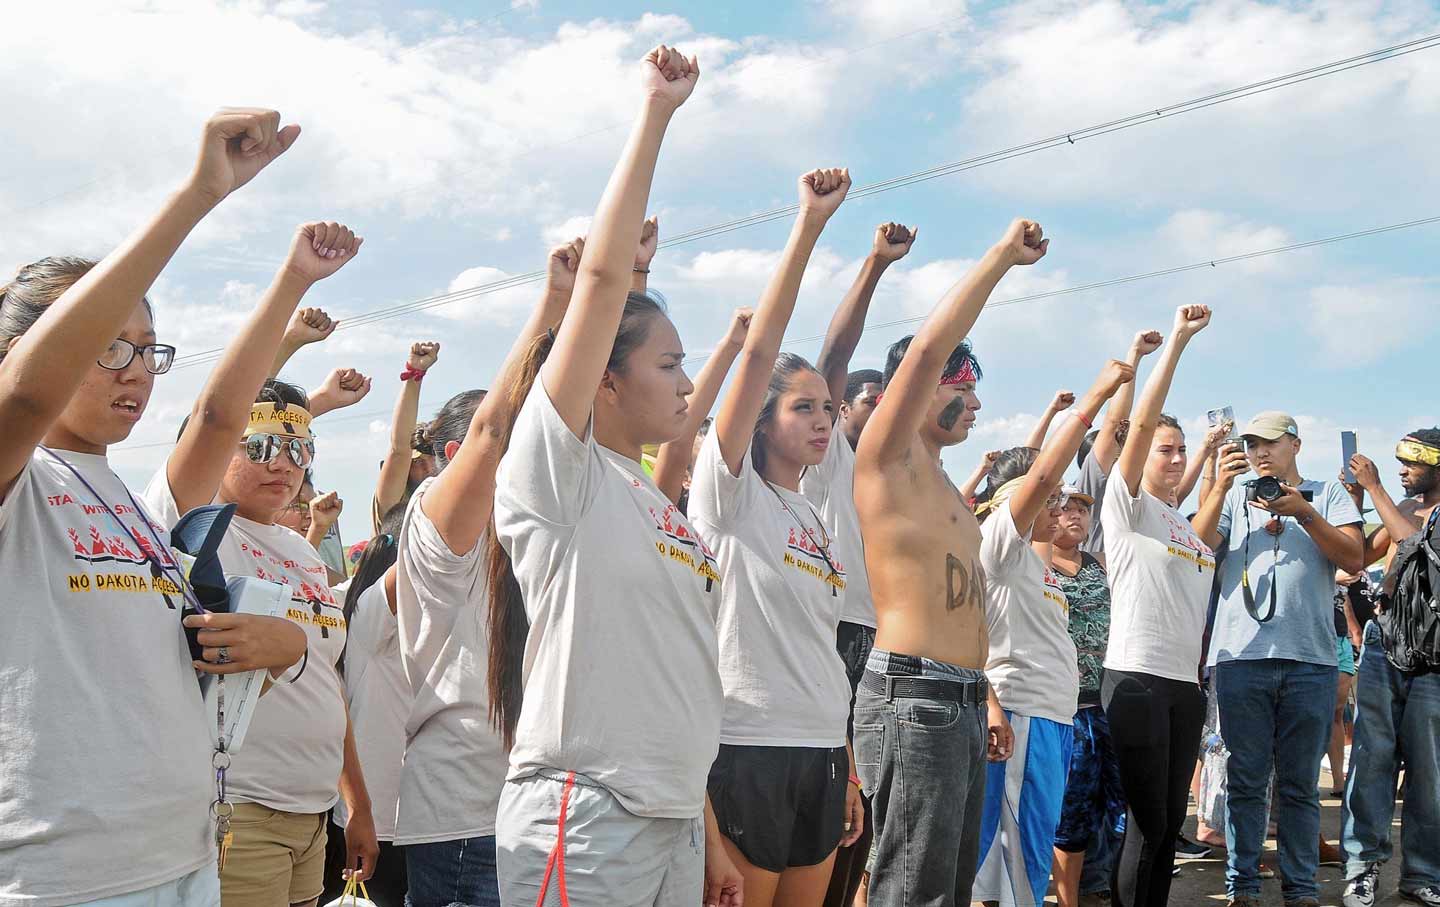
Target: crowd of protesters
column 607, row 647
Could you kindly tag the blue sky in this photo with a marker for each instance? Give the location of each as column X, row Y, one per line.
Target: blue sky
column 463, row 139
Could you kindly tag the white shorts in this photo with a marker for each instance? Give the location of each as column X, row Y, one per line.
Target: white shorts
column 200, row 888
column 563, row 839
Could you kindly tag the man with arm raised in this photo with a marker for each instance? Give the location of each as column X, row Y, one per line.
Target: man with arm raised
column 922, row 556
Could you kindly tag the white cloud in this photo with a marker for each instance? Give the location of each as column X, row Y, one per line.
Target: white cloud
column 566, row 230
column 506, row 307
column 1051, row 67
column 1360, row 324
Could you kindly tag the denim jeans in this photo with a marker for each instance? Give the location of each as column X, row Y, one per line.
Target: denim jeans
column 923, row 762
column 450, row 873
column 1273, row 707
column 1397, row 720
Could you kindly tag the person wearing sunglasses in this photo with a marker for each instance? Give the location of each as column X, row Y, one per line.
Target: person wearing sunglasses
column 250, row 439
column 1032, row 667
column 105, row 753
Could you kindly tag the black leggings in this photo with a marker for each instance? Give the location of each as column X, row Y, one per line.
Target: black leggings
column 1155, row 726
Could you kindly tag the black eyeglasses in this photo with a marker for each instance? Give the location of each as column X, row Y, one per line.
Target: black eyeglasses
column 156, row 357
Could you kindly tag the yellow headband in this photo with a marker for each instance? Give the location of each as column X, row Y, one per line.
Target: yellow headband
column 289, row 421
column 1001, row 495
column 1412, row 451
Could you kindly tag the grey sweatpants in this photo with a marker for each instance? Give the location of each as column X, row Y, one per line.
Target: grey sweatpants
column 562, row 838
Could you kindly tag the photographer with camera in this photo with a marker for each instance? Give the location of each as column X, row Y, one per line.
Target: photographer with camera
column 1272, row 652
column 1397, row 716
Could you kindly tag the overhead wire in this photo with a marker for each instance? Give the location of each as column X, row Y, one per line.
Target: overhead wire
column 1070, row 137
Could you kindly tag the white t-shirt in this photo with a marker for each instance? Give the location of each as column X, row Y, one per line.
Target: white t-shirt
column 104, row 752
column 292, row 754
column 620, row 665
column 454, row 759
column 780, row 604
column 1033, row 664
column 830, row 486
column 379, row 699
column 1160, row 578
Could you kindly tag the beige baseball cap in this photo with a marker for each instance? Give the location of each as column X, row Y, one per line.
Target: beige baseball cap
column 1271, row 426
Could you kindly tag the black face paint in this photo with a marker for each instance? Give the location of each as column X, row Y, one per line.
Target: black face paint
column 951, row 413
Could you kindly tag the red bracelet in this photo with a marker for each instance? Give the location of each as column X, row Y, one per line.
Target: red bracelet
column 856, row 781
column 1082, row 417
column 412, row 374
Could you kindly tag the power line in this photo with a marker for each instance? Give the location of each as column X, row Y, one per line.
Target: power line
column 1071, row 137
column 1148, row 275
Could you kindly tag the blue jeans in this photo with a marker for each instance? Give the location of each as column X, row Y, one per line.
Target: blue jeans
column 1397, row 720
column 1273, row 707
column 451, row 873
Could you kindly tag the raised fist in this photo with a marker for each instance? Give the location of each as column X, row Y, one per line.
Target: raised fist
column 739, row 326
column 325, row 509
column 893, row 241
column 1063, row 401
column 343, row 387
column 309, row 325
column 649, row 242
column 236, row 144
column 1147, row 342
column 987, row 462
column 563, row 264
column 423, row 355
column 321, row 248
column 668, row 76
column 1113, row 376
column 1024, row 242
column 822, row 191
column 1191, row 319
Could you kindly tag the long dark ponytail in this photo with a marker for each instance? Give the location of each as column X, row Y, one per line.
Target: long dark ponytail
column 509, row 624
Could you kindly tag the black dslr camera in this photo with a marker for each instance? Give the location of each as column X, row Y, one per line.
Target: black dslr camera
column 1268, row 488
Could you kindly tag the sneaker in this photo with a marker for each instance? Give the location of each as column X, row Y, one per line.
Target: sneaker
column 1244, row 900
column 1429, row 895
column 1360, row 891
column 1186, row 849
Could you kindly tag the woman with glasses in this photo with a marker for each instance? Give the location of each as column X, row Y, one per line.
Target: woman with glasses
column 104, row 741
column 249, row 443
column 1032, row 666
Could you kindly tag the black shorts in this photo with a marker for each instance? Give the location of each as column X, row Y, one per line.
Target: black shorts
column 781, row 806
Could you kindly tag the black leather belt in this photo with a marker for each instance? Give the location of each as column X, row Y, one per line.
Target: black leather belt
column 891, row 686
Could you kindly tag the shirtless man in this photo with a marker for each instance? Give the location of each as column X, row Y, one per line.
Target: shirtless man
column 1398, row 719
column 917, row 712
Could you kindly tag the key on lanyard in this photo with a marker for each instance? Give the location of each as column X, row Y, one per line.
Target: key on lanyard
column 224, row 837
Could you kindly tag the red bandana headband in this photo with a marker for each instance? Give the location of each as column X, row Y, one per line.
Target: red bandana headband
column 964, row 376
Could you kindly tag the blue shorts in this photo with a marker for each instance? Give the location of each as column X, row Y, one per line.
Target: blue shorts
column 1023, row 798
column 1345, row 654
column 1094, row 797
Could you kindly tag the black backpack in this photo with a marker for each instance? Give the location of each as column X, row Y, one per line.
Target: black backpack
column 1409, row 615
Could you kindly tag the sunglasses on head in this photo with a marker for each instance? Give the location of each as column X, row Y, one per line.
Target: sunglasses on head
column 1057, row 501
column 156, row 357
column 265, row 448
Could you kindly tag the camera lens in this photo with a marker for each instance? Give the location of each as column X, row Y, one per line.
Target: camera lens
column 1267, row 488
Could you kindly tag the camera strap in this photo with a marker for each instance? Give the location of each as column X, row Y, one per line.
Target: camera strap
column 1249, row 596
